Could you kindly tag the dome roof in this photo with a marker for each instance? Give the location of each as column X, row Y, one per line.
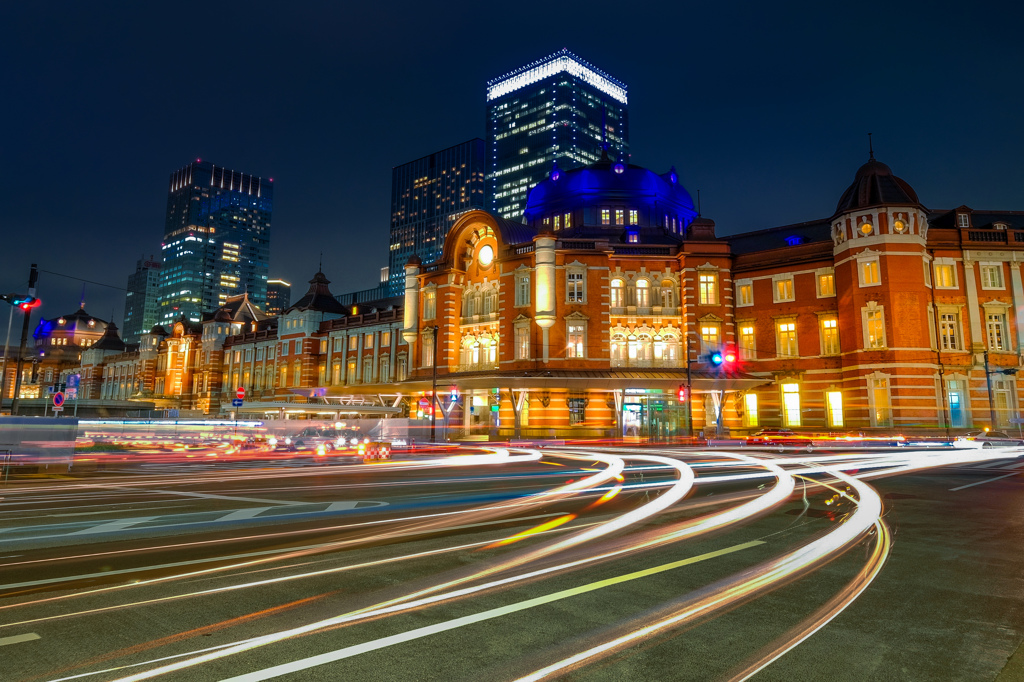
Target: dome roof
column 875, row 185
column 606, row 180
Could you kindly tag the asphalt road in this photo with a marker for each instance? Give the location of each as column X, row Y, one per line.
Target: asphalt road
column 584, row 564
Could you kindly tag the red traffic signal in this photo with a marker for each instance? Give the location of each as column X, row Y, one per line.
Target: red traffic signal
column 23, row 301
column 681, row 394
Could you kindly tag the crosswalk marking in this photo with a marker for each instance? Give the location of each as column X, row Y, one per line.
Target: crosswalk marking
column 239, row 514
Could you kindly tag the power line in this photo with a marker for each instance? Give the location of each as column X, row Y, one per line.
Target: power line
column 80, row 279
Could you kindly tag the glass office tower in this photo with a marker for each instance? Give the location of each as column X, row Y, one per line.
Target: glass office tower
column 427, row 196
column 559, row 109
column 279, row 296
column 140, row 302
column 216, row 240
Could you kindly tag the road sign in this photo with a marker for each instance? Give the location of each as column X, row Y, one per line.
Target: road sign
column 58, row 399
column 58, row 409
column 240, row 393
column 71, row 393
column 1017, row 420
column 74, row 380
column 237, row 402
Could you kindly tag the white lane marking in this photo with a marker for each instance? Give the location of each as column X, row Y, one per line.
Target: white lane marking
column 50, row 581
column 113, row 526
column 988, row 480
column 18, row 639
column 181, row 493
column 239, row 514
column 352, row 504
column 1016, row 466
column 418, row 633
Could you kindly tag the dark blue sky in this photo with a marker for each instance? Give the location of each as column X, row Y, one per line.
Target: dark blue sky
column 763, row 107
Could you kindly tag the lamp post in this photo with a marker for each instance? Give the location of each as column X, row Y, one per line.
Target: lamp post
column 433, row 394
column 988, row 384
column 689, row 392
column 7, row 346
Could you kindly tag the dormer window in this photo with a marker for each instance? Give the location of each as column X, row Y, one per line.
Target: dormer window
column 794, row 240
column 632, row 238
column 999, row 226
column 963, row 220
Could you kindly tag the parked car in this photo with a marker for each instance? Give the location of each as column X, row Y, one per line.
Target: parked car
column 986, row 439
column 779, row 438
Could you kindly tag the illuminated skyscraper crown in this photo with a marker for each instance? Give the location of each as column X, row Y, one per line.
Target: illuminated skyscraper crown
column 563, row 60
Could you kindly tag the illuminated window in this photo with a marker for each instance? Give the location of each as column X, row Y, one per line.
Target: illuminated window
column 868, row 270
column 881, row 406
column 834, row 405
column 522, row 289
column 643, row 294
column 350, row 372
column 829, row 336
column 783, row 290
column 750, row 417
column 429, row 304
column 899, row 226
column 747, row 349
column 368, row 341
column 708, row 288
column 385, row 338
column 744, row 293
column 606, row 216
column 558, row 222
column 353, row 342
column 786, row 340
column 576, row 346
column 633, row 216
column 568, row 220
column 620, row 216
column 522, row 342
column 710, row 336
column 866, row 228
column 791, row 404
column 616, row 294
column 996, row 324
column 949, row 330
column 963, row 220
column 945, row 275
column 874, row 327
column 633, row 238
column 826, row 284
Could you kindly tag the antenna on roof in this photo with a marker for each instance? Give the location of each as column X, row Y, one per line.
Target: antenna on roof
column 82, row 306
column 321, row 268
column 871, row 149
column 698, row 203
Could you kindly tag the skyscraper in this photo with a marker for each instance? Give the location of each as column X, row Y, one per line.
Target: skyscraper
column 279, row 296
column 140, row 303
column 559, row 109
column 427, row 197
column 216, row 239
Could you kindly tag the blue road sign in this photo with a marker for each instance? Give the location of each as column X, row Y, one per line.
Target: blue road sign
column 58, row 399
column 237, row 402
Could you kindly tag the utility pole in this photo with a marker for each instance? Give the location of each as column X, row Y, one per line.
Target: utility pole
column 7, row 352
column 33, row 275
column 689, row 391
column 988, row 383
column 433, row 394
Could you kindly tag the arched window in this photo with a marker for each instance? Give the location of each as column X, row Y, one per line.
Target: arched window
column 643, row 293
column 617, row 300
column 668, row 299
column 619, row 350
column 644, row 348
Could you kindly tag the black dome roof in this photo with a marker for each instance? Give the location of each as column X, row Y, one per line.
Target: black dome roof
column 875, row 185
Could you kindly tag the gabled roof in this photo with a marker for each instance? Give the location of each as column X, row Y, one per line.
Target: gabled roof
column 318, row 298
column 237, row 309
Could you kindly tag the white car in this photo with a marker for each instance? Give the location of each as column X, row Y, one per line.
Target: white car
column 985, row 439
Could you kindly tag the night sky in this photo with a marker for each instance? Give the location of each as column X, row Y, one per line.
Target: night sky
column 765, row 110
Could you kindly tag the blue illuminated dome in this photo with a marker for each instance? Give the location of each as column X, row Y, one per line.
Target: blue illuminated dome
column 612, row 198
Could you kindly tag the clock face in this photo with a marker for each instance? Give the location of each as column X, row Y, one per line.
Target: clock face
column 485, row 256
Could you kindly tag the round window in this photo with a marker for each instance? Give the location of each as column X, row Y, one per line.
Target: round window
column 485, row 256
column 899, row 226
column 866, row 228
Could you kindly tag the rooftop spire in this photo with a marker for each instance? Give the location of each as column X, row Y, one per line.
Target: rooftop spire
column 871, row 149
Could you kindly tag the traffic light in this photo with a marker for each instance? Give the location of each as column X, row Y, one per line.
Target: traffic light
column 23, row 301
column 681, row 394
column 716, row 359
column 724, row 359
